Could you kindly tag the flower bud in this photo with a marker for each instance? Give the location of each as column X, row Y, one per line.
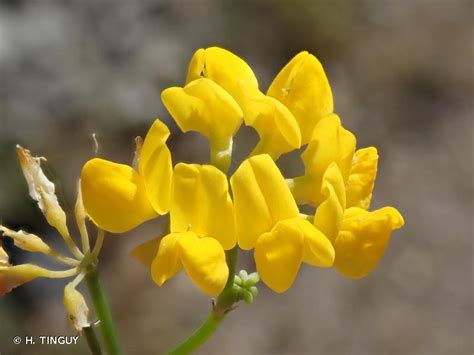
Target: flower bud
column 236, row 289
column 243, row 275
column 76, row 307
column 246, row 296
column 244, row 285
column 251, row 280
column 254, row 291
column 237, row 280
column 42, row 190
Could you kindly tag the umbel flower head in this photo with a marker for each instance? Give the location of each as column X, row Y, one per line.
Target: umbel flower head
column 220, row 93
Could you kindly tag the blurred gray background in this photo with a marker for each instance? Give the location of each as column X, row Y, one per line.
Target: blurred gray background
column 402, row 78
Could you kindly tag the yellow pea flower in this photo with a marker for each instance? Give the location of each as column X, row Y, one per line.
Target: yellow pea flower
column 118, row 198
column 203, row 188
column 277, row 127
column 267, row 219
column 329, row 143
column 205, row 107
column 303, row 87
column 363, row 238
column 224, row 68
column 201, row 226
column 359, row 237
column 362, row 178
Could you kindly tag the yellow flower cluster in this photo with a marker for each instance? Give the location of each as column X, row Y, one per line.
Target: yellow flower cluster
column 220, row 93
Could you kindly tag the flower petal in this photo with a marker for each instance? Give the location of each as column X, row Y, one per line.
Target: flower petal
column 329, row 214
column 146, row 252
column 330, row 143
column 204, row 107
column 363, row 238
column 361, row 180
column 261, row 199
column 166, row 263
column 278, row 255
column 317, row 250
column 203, row 260
column 303, row 87
column 114, row 195
column 277, row 127
column 155, row 166
column 201, row 203
column 224, row 68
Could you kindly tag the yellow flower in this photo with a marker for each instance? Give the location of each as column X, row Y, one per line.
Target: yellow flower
column 303, row 87
column 201, row 228
column 363, row 238
column 117, row 197
column 267, row 219
column 329, row 143
column 277, row 127
column 359, row 237
column 205, row 107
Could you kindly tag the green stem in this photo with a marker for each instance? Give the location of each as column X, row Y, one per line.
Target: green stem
column 228, row 297
column 102, row 309
column 223, row 304
column 199, row 337
column 92, row 340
